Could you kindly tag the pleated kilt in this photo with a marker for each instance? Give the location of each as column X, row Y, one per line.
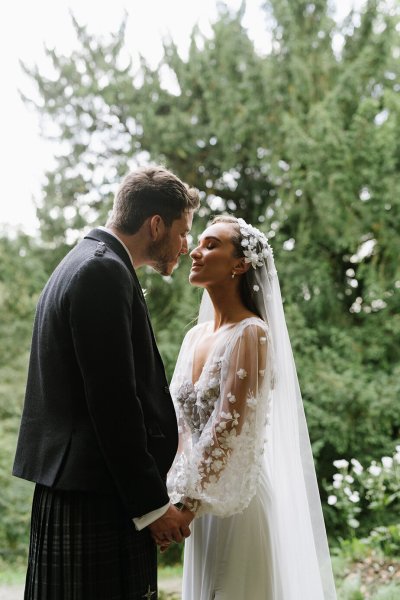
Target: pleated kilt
column 83, row 546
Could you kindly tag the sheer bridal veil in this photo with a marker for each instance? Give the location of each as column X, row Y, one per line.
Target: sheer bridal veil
column 302, row 566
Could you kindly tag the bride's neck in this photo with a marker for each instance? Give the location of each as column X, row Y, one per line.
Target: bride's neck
column 228, row 306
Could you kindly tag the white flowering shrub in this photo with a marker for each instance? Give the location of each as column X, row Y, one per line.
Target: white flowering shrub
column 357, row 490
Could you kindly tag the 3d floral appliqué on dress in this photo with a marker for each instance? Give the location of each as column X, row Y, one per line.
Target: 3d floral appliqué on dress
column 219, row 468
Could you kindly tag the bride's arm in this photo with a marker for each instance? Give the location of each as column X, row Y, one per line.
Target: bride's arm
column 225, row 460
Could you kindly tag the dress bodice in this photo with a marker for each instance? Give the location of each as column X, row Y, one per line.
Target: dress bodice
column 222, row 416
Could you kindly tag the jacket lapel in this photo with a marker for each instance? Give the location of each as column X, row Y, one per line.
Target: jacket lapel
column 111, row 242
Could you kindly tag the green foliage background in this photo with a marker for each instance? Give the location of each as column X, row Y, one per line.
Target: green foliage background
column 303, row 141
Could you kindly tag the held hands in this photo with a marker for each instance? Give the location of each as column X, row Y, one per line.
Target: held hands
column 173, row 526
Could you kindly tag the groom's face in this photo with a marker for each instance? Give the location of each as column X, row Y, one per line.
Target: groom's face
column 166, row 251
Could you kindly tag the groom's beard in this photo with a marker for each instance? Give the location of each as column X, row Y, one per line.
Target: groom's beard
column 160, row 253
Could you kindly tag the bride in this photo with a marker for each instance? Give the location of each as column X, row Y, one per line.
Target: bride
column 244, row 468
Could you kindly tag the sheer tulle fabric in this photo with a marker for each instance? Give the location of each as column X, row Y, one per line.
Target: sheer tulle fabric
column 266, row 480
column 222, row 417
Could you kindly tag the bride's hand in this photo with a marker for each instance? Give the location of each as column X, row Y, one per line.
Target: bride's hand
column 164, row 546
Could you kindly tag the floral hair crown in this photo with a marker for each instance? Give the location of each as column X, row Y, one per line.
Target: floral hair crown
column 256, row 248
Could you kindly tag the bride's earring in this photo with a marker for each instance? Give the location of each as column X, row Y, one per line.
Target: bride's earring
column 233, row 274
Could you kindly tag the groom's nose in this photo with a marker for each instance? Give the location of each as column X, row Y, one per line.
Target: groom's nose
column 185, row 248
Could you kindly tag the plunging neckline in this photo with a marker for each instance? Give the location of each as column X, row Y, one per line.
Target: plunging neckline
column 209, row 324
column 194, row 383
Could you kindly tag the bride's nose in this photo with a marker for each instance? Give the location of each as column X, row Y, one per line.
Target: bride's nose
column 195, row 253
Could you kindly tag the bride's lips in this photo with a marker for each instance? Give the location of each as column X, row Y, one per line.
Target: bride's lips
column 196, row 266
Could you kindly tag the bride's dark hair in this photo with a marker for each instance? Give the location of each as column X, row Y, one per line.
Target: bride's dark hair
column 246, row 280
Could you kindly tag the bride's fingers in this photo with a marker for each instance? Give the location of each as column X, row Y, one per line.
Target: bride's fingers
column 161, row 541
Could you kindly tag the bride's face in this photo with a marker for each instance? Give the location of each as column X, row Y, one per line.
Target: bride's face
column 214, row 257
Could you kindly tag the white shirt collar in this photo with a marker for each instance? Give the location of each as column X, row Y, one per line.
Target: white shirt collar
column 117, row 238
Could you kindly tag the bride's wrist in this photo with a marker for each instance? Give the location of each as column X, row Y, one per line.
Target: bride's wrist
column 191, row 504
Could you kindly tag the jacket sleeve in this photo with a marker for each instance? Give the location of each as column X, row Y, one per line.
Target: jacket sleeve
column 100, row 312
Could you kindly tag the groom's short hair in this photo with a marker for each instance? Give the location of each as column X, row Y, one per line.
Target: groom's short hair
column 149, row 191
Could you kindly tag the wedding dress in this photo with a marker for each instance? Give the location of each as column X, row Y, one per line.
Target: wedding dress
column 222, row 421
column 244, row 462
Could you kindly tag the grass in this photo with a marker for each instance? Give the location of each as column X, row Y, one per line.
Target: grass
column 349, row 568
column 169, row 572
column 15, row 575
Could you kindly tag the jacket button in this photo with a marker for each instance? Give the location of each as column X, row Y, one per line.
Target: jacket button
column 166, row 389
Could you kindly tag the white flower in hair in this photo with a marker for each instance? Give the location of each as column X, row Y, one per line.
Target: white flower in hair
column 252, row 240
column 253, row 258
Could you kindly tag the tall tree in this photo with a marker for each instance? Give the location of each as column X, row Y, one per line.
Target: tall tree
column 303, row 140
column 22, row 275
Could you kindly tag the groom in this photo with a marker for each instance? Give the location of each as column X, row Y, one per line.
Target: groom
column 98, row 431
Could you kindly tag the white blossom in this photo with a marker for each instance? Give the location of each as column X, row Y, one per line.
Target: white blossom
column 242, row 373
column 357, row 466
column 231, row 397
column 387, row 462
column 332, row 500
column 353, row 523
column 337, row 484
column 354, row 497
column 349, row 479
column 338, row 477
column 341, row 463
column 256, row 287
column 375, row 470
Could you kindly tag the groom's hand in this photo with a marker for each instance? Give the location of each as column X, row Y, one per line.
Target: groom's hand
column 173, row 526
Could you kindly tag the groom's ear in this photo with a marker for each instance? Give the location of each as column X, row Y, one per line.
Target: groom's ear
column 156, row 227
column 241, row 266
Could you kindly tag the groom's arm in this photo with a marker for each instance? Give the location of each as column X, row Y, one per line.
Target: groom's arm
column 145, row 520
column 100, row 305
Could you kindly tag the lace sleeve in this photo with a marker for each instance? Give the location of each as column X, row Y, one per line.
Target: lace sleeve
column 217, row 468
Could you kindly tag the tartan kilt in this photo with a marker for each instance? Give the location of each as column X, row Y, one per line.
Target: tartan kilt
column 83, row 546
